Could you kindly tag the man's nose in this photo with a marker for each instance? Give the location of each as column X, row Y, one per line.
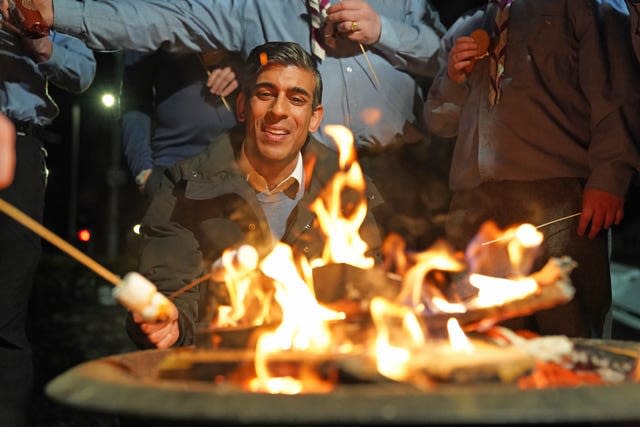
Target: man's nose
column 279, row 105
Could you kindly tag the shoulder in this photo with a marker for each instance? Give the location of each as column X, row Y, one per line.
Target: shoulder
column 219, row 156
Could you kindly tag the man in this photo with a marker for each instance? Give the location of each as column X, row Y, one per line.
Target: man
column 26, row 68
column 538, row 138
column 248, row 186
column 373, row 53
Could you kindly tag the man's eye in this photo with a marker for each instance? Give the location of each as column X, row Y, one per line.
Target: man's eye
column 297, row 100
column 263, row 95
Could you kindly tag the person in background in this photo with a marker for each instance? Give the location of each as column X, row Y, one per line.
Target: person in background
column 27, row 66
column 252, row 185
column 169, row 113
column 370, row 55
column 7, row 151
column 538, row 138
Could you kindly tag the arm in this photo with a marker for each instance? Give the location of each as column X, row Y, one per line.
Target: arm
column 70, row 66
column 178, row 25
column 613, row 158
column 170, row 258
column 449, row 89
column 407, row 43
column 7, row 151
column 137, row 109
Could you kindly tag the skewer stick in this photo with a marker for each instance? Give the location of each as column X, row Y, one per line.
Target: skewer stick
column 373, row 71
column 222, row 98
column 185, row 288
column 538, row 226
column 57, row 241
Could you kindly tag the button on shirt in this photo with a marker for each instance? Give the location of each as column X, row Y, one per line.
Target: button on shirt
column 277, row 203
column 410, row 35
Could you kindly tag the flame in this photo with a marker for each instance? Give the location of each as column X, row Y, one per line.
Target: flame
column 440, row 256
column 498, row 291
column 234, row 266
column 457, row 338
column 304, row 325
column 343, row 242
column 523, row 248
column 398, row 331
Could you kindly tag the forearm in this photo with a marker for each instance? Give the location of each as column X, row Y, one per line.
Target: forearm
column 147, row 25
column 71, row 65
column 409, row 44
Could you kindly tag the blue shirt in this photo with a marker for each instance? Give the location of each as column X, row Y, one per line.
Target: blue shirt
column 23, row 82
column 410, row 35
column 168, row 112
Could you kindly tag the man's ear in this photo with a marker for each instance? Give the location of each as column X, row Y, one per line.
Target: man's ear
column 316, row 118
column 240, row 107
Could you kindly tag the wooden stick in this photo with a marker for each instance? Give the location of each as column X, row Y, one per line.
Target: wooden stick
column 224, row 100
column 57, row 241
column 373, row 71
column 538, row 226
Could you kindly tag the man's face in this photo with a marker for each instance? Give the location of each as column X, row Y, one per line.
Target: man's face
column 278, row 116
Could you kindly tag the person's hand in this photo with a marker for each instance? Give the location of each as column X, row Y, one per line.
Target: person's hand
column 162, row 334
column 222, row 81
column 45, row 7
column 354, row 20
column 38, row 49
column 600, row 209
column 7, row 151
column 462, row 59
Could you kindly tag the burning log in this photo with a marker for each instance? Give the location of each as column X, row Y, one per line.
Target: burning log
column 484, row 362
column 552, row 288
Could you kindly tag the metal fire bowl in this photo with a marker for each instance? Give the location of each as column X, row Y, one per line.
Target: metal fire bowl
column 126, row 385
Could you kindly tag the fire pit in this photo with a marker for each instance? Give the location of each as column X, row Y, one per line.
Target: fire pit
column 128, row 385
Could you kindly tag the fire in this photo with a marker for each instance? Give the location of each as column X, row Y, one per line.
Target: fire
column 457, row 338
column 496, row 291
column 235, row 269
column 398, row 331
column 343, row 241
column 304, row 325
column 439, row 257
column 523, row 248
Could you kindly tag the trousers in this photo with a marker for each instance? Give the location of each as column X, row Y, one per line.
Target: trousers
column 20, row 251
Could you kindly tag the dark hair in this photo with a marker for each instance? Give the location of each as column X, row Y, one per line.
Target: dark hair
column 283, row 53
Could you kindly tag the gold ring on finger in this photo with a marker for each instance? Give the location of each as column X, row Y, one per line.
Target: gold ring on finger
column 354, row 26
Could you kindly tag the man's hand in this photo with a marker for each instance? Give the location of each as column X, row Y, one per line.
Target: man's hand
column 162, row 334
column 7, row 151
column 222, row 81
column 601, row 209
column 39, row 49
column 354, row 20
column 462, row 58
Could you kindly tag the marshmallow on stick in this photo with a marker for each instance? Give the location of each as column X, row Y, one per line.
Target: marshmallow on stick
column 139, row 295
column 234, row 263
column 134, row 292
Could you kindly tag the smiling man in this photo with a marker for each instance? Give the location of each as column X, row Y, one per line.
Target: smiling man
column 253, row 185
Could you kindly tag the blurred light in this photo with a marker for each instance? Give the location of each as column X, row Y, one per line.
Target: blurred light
column 84, row 235
column 108, row 100
column 136, row 229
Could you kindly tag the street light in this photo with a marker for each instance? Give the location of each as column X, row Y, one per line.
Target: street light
column 108, row 100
